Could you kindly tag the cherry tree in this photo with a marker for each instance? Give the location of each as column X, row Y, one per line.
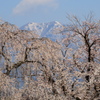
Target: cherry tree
column 84, row 38
column 39, row 69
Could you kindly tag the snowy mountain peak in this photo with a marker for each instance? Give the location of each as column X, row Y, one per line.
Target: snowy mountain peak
column 44, row 29
column 55, row 22
column 31, row 26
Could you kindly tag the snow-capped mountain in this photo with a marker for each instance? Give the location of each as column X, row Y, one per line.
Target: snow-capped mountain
column 48, row 30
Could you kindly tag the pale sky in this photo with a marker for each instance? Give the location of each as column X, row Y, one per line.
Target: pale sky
column 20, row 12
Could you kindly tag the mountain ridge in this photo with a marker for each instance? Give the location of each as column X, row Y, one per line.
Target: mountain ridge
column 45, row 29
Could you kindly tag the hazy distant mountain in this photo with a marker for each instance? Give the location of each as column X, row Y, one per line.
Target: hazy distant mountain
column 45, row 29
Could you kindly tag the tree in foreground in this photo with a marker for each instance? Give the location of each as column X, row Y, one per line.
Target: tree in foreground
column 84, row 37
column 35, row 68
